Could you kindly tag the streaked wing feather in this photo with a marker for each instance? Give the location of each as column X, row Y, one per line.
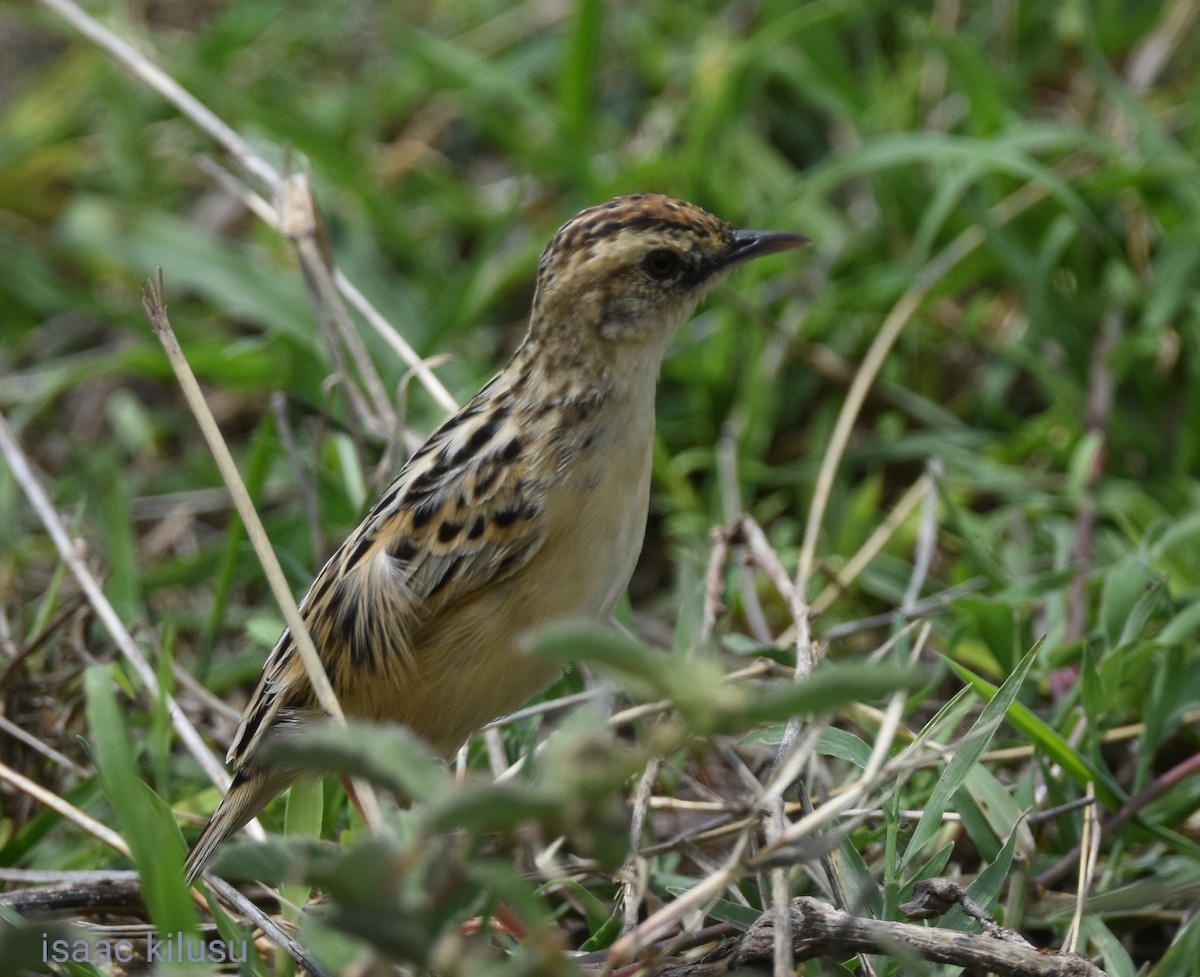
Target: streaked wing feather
column 461, row 514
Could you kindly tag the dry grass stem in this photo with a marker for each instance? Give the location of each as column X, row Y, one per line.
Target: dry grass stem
column 699, row 897
column 16, row 732
column 157, row 313
column 157, row 80
column 300, row 478
column 633, row 872
column 872, row 546
column 68, row 811
column 142, row 68
column 301, row 223
column 23, row 473
column 399, row 346
column 893, row 326
column 1089, row 846
column 926, row 537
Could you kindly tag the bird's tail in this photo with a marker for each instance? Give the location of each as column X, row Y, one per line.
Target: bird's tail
column 249, row 793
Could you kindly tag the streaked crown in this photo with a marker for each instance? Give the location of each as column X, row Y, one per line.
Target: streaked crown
column 636, row 265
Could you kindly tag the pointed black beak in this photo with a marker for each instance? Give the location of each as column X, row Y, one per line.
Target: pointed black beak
column 754, row 244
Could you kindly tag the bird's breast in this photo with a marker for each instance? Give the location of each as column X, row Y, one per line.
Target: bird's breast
column 596, row 524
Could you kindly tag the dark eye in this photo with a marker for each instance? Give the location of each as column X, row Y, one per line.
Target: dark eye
column 661, row 264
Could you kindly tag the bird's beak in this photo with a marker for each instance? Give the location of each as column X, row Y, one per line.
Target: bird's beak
column 754, row 244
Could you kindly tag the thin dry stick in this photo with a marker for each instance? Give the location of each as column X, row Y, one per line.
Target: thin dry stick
column 893, row 325
column 775, row 823
column 158, row 80
column 400, row 347
column 497, row 755
column 872, row 773
column 885, row 339
column 301, row 223
column 45, row 749
column 155, row 309
column 273, row 931
column 1153, row 52
column 40, row 502
column 937, row 603
column 1162, row 783
column 254, row 202
column 48, row 798
column 871, row 547
column 761, row 553
column 8, row 647
column 69, row 812
column 786, row 769
column 634, row 871
column 774, row 827
column 738, row 862
column 304, row 485
column 200, row 115
column 926, row 538
column 700, row 896
column 1090, row 848
column 714, row 582
column 824, row 931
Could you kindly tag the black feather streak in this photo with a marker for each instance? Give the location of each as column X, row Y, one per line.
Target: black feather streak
column 402, row 550
column 425, row 484
column 484, row 482
column 511, row 561
column 447, row 575
column 385, row 501
column 315, row 597
column 484, row 433
column 360, row 551
column 506, row 517
column 423, row 514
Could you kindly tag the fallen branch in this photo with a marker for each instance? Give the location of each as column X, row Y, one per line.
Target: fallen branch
column 819, row 930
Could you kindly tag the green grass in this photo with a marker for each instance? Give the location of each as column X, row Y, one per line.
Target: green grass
column 1025, row 174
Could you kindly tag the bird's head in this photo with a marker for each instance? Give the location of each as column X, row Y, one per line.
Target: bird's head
column 632, row 270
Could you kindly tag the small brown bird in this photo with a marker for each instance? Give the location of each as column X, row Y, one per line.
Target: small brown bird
column 527, row 506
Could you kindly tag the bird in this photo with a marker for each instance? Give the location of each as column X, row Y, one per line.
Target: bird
column 526, row 507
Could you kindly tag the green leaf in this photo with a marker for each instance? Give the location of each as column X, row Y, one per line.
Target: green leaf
column 700, row 692
column 1183, row 627
column 1180, row 958
column 995, row 621
column 845, row 745
column 391, row 756
column 1003, row 814
column 1124, row 586
column 986, row 886
column 1113, row 956
column 302, row 819
column 603, row 923
column 483, row 808
column 1049, row 741
column 147, row 823
column 973, row 745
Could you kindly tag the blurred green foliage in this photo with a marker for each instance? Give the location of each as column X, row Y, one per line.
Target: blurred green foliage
column 1032, row 169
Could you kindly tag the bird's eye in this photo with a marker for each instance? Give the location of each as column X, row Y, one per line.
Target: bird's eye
column 661, row 264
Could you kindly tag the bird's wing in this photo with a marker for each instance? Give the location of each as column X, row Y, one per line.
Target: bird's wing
column 462, row 514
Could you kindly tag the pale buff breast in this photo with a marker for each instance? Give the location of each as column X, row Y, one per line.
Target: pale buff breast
column 472, row 661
